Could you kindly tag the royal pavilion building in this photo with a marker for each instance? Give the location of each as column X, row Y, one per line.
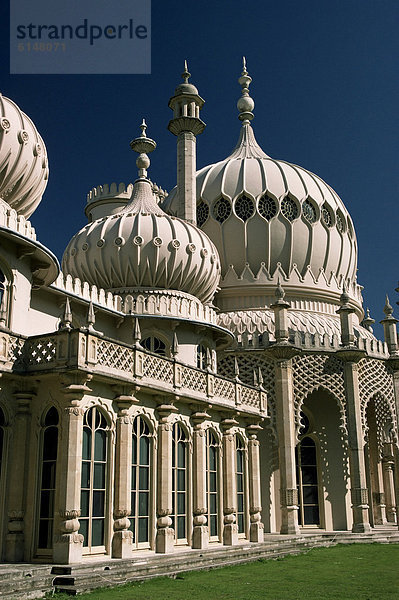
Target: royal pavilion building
column 201, row 373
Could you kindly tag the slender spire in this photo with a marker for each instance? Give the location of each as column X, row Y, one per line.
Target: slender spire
column 186, row 74
column 388, row 310
column 245, row 104
column 66, row 319
column 143, row 145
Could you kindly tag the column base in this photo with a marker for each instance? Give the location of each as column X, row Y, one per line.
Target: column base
column 200, row 537
column 256, row 532
column 391, row 516
column 361, row 528
column 14, row 547
column 230, row 534
column 68, row 549
column 165, row 540
column 122, row 544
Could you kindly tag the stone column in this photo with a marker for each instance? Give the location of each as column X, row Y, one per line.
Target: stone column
column 200, row 529
column 256, row 532
column 165, row 536
column 230, row 530
column 69, row 543
column 15, row 540
column 122, row 540
column 389, row 484
column 359, row 491
column 285, row 420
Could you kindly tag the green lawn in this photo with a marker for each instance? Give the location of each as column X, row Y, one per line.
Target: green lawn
column 344, row 572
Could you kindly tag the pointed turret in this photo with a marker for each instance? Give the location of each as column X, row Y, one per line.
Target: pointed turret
column 186, row 125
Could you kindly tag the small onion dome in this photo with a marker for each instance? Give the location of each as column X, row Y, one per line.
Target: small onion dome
column 267, row 215
column 186, row 87
column 141, row 247
column 23, row 160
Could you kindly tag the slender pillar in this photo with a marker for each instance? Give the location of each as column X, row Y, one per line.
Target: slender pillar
column 68, row 543
column 389, row 484
column 200, row 529
column 165, row 536
column 359, row 491
column 122, row 541
column 285, row 414
column 230, row 530
column 256, row 532
column 15, row 541
column 186, row 125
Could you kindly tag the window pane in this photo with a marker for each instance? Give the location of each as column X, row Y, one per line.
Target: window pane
column 310, row 494
column 83, row 529
column 212, row 482
column 50, row 440
column 181, row 527
column 181, row 454
column 46, row 504
column 134, row 450
column 240, row 483
column 311, row 515
column 240, row 522
column 212, row 459
column 134, row 474
column 98, row 504
column 240, row 502
column 143, row 530
column 181, row 480
column 100, row 445
column 143, row 504
column 308, row 455
column 213, row 525
column 99, row 476
column 84, row 503
column 309, row 475
column 213, row 503
column 144, row 476
column 45, row 534
column 51, row 417
column 181, row 503
column 239, row 462
column 97, row 532
column 85, row 480
column 86, row 450
column 48, row 475
column 144, row 451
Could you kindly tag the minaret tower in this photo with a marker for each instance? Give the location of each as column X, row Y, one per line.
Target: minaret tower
column 186, row 125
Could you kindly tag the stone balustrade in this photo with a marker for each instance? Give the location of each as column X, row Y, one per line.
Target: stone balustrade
column 77, row 349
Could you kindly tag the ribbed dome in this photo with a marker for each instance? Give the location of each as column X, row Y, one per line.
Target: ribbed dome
column 141, row 247
column 261, row 212
column 23, row 160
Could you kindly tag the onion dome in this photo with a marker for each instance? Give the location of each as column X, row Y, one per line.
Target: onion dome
column 269, row 219
column 141, row 247
column 23, row 160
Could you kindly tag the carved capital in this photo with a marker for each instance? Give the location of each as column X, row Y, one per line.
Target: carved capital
column 360, row 497
column 289, row 497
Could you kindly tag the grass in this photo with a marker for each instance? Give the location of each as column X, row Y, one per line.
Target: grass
column 343, row 572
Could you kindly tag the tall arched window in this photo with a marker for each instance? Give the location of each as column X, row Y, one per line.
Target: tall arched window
column 307, row 479
column 179, row 482
column 94, row 474
column 2, row 287
column 2, row 436
column 240, row 479
column 212, row 483
column 141, row 483
column 48, row 472
column 154, row 344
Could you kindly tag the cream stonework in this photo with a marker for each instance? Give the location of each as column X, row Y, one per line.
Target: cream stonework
column 201, row 373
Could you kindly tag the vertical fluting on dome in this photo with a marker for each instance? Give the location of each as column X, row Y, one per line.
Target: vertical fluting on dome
column 186, row 125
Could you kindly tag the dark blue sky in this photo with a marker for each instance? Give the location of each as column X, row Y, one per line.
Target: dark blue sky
column 326, row 91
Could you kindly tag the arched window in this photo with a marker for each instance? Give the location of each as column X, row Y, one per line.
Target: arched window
column 94, row 474
column 307, row 479
column 141, row 483
column 2, row 287
column 212, row 483
column 240, row 479
column 179, row 482
column 201, row 357
column 154, row 344
column 47, row 480
column 2, row 436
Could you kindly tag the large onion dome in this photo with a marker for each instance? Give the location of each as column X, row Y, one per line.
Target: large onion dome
column 23, row 160
column 141, row 247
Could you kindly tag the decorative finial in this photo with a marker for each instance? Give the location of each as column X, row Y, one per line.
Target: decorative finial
column 344, row 299
column 368, row 321
column 143, row 145
column 186, row 74
column 245, row 104
column 279, row 293
column 388, row 310
column 66, row 319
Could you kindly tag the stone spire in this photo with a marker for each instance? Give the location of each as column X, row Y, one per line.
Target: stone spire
column 245, row 104
column 390, row 332
column 143, row 146
column 186, row 125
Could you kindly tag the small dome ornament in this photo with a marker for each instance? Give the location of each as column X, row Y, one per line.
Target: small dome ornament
column 388, row 310
column 245, row 104
column 143, row 146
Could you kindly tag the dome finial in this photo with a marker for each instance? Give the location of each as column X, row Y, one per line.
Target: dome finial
column 245, row 104
column 143, row 145
column 186, row 74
